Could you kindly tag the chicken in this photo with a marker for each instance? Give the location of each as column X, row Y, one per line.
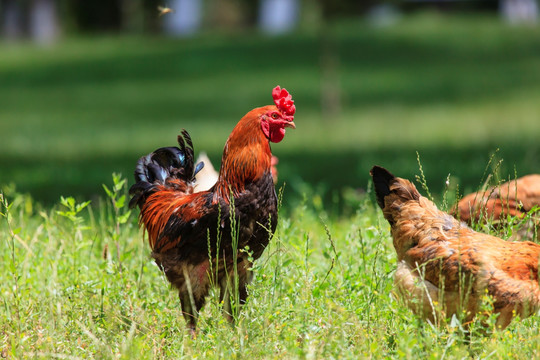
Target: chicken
column 445, row 267
column 515, row 198
column 208, row 176
column 211, row 237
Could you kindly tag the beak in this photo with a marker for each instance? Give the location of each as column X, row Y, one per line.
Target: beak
column 290, row 124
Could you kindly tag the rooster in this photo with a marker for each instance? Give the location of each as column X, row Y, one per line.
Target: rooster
column 514, row 198
column 207, row 238
column 442, row 261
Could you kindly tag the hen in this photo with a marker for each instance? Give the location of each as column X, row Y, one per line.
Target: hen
column 211, row 237
column 515, row 198
column 207, row 176
column 442, row 261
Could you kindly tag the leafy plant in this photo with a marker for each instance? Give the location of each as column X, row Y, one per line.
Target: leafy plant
column 117, row 196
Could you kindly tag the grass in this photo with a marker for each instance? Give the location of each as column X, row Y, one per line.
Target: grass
column 454, row 89
column 78, row 282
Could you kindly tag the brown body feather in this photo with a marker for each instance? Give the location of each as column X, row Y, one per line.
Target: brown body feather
column 441, row 260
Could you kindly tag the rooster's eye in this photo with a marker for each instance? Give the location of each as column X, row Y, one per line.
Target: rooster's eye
column 274, row 115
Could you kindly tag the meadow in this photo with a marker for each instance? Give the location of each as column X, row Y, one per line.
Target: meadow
column 453, row 89
column 77, row 280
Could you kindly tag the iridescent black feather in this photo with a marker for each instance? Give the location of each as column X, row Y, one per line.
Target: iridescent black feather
column 167, row 163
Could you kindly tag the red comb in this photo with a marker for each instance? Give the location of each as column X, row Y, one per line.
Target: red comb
column 284, row 101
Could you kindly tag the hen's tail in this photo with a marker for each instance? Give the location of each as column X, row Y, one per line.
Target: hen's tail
column 382, row 179
column 161, row 167
column 392, row 191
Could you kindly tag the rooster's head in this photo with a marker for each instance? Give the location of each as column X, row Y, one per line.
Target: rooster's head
column 276, row 118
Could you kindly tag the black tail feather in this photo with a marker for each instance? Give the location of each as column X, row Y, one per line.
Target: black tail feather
column 381, row 181
column 163, row 164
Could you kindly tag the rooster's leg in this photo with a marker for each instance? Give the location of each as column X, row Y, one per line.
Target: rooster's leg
column 232, row 296
column 190, row 309
column 245, row 279
column 192, row 293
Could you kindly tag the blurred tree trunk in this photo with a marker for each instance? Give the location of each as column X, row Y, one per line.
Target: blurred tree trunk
column 151, row 18
column 329, row 62
column 225, row 14
column 43, row 25
column 132, row 16
column 11, row 19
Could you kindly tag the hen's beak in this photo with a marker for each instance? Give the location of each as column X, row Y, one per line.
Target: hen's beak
column 290, row 124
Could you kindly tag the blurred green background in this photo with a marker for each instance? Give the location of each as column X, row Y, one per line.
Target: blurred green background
column 453, row 83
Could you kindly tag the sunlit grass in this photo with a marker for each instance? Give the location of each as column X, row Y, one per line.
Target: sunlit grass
column 78, row 282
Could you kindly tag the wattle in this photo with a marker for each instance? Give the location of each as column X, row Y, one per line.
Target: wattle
column 277, row 134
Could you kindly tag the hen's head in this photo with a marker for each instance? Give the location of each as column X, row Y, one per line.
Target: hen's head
column 276, row 118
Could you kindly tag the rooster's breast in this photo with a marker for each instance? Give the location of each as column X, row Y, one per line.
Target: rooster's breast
column 256, row 210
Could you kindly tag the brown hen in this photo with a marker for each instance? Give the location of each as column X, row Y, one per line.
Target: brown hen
column 514, row 198
column 443, row 264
